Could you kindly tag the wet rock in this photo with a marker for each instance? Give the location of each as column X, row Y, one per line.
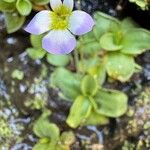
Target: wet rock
column 140, row 16
column 32, row 89
column 134, row 126
column 3, row 90
column 12, row 45
column 106, row 6
column 21, row 146
column 12, row 126
column 2, row 24
column 147, row 72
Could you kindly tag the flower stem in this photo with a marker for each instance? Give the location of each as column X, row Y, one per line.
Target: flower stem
column 82, row 62
column 76, row 59
column 76, row 54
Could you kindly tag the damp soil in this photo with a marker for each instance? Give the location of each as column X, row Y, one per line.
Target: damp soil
column 15, row 95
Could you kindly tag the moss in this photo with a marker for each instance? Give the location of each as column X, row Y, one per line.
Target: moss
column 17, row 74
column 128, row 146
column 142, row 3
column 5, row 130
column 139, row 122
column 6, row 134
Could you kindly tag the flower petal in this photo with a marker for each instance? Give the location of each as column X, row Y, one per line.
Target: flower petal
column 55, row 4
column 69, row 4
column 59, row 42
column 40, row 23
column 80, row 22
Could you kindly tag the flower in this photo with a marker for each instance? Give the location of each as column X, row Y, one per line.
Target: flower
column 61, row 23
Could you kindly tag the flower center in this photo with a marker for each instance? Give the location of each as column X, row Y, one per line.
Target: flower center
column 60, row 18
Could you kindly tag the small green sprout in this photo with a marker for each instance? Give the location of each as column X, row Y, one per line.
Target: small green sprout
column 144, row 4
column 49, row 135
column 17, row 74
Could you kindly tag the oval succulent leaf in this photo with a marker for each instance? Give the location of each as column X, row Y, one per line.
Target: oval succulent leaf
column 104, row 23
column 111, row 103
column 87, row 65
column 36, row 40
column 36, row 53
column 45, row 146
column 128, row 23
column 80, row 110
column 44, row 129
column 24, row 7
column 58, row 60
column 68, row 82
column 9, row 1
column 96, row 119
column 7, row 7
column 88, row 44
column 136, row 41
column 13, row 21
column 89, row 86
column 120, row 66
column 107, row 42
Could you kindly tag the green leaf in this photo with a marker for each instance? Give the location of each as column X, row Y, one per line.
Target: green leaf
column 88, row 65
column 101, row 75
column 95, row 67
column 80, row 110
column 24, row 7
column 104, row 23
column 36, row 40
column 46, row 130
column 136, row 41
column 13, row 21
column 45, row 146
column 89, row 37
column 111, row 103
column 107, row 42
column 36, row 53
column 96, row 119
column 142, row 3
column 88, row 44
column 40, row 2
column 7, row 7
column 62, row 147
column 128, row 23
column 67, row 138
column 92, row 47
column 40, row 146
column 120, row 66
column 9, row 1
column 58, row 60
column 89, row 86
column 68, row 82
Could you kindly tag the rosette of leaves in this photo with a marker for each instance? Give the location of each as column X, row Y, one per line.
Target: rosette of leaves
column 49, row 135
column 91, row 104
column 37, row 52
column 144, row 4
column 117, row 43
column 15, row 12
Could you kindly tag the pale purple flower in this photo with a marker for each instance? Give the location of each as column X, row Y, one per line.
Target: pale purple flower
column 61, row 23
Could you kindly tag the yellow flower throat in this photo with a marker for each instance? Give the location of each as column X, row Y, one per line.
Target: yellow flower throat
column 60, row 18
